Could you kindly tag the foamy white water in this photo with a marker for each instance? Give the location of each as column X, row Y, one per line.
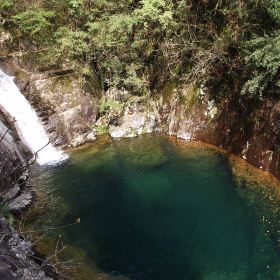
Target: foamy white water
column 27, row 123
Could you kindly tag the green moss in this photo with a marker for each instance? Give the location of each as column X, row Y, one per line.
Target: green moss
column 107, row 105
column 101, row 129
column 189, row 96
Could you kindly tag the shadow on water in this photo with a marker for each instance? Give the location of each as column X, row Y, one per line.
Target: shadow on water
column 152, row 209
column 126, row 245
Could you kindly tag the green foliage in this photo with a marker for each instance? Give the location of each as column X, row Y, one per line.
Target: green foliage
column 35, row 22
column 101, row 129
column 156, row 12
column 274, row 9
column 72, row 43
column 110, row 105
column 264, row 60
column 141, row 45
column 6, row 4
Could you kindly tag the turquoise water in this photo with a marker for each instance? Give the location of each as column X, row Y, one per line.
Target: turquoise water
column 153, row 209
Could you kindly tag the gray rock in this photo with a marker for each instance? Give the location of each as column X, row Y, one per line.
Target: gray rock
column 151, row 124
column 80, row 128
column 18, row 262
column 119, row 131
column 91, row 136
column 23, row 200
column 117, row 94
column 12, row 193
column 133, row 125
column 135, row 121
column 74, row 102
column 79, row 140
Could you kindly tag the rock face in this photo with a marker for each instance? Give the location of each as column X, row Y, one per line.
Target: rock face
column 251, row 133
column 190, row 114
column 69, row 106
column 21, row 201
column 12, row 155
column 66, row 102
column 133, row 124
column 16, row 255
column 70, row 109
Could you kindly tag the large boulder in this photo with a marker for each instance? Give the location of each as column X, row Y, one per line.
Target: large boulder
column 133, row 124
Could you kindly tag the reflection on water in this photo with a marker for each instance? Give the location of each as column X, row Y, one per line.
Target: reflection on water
column 156, row 209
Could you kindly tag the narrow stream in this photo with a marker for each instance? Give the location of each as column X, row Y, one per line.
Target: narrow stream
column 155, row 209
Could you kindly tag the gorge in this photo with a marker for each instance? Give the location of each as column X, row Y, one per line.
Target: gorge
column 155, row 126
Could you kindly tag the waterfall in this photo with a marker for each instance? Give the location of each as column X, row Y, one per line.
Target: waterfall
column 27, row 123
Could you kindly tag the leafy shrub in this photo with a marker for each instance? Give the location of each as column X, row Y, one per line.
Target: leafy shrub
column 110, row 105
column 6, row 4
column 34, row 21
column 72, row 43
column 264, row 60
column 101, row 129
column 141, row 45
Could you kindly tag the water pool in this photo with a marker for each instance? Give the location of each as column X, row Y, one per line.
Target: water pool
column 155, row 209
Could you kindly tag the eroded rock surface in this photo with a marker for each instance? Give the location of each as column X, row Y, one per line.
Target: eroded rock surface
column 16, row 255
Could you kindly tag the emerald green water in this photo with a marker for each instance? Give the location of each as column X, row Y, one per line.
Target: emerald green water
column 152, row 209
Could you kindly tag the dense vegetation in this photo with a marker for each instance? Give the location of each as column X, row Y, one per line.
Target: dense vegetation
column 232, row 46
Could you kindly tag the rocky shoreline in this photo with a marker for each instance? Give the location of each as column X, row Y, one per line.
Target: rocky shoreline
column 75, row 109
column 17, row 258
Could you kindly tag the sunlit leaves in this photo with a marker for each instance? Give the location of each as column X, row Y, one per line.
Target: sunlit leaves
column 264, row 58
column 34, row 21
column 71, row 42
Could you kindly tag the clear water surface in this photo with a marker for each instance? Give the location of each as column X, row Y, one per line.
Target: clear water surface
column 155, row 209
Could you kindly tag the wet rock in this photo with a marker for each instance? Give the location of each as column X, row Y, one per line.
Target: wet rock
column 6, row 271
column 184, row 135
column 16, row 257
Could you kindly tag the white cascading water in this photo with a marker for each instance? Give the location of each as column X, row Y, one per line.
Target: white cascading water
column 27, row 123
